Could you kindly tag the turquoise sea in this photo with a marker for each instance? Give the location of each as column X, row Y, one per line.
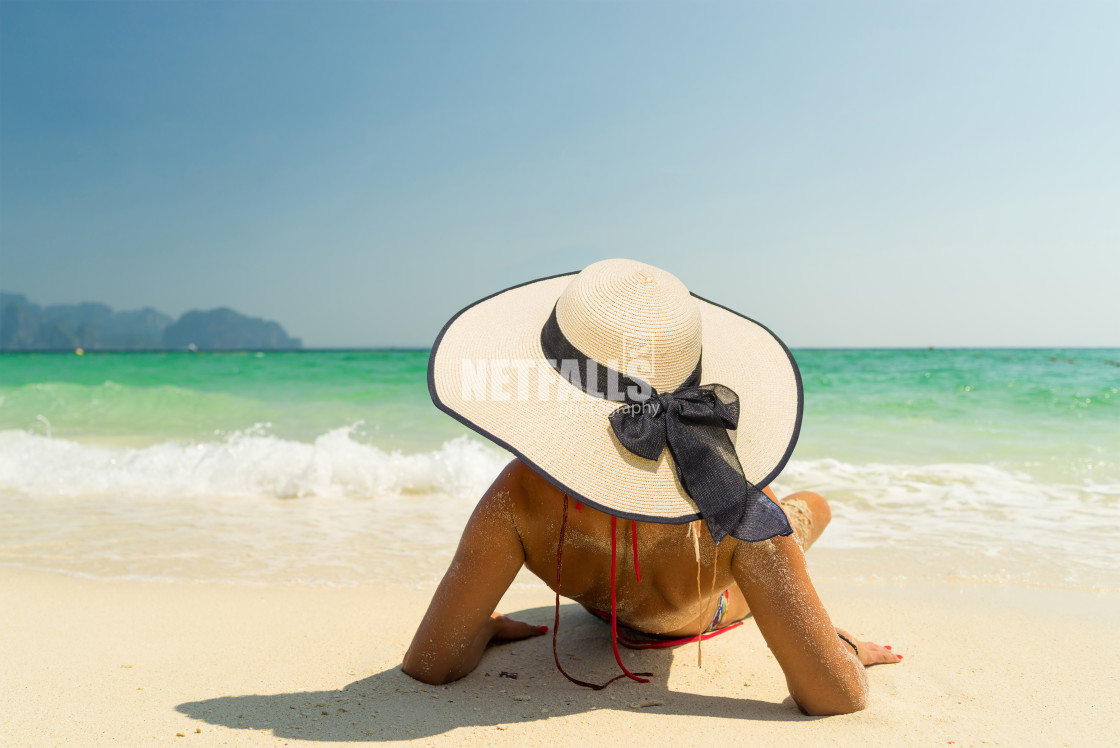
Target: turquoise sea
column 997, row 465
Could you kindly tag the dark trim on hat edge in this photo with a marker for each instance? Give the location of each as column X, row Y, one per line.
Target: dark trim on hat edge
column 554, row 481
column 800, row 393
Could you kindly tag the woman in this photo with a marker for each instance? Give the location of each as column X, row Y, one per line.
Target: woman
column 626, row 398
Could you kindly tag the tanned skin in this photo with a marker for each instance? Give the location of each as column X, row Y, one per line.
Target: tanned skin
column 517, row 523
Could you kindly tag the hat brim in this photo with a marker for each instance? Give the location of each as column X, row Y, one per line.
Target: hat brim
column 570, row 442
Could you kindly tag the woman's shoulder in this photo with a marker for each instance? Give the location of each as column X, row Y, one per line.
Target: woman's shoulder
column 520, row 492
column 529, row 484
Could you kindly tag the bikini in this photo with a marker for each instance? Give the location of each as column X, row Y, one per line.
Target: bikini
column 653, row 642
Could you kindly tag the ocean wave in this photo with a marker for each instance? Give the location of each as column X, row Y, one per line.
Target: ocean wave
column 253, row 462
column 961, row 505
column 335, row 509
column 244, row 463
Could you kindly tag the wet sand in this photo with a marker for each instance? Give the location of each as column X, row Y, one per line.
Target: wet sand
column 93, row 662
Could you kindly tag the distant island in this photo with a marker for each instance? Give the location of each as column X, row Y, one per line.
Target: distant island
column 25, row 326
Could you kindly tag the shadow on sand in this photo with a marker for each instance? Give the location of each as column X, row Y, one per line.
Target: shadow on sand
column 386, row 706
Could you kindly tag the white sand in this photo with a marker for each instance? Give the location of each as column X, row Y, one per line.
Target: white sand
column 90, row 662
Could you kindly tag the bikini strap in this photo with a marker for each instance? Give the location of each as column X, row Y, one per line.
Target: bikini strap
column 614, row 609
column 634, row 537
column 556, row 618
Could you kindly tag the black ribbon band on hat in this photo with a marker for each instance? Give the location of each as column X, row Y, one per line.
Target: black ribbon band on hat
column 692, row 421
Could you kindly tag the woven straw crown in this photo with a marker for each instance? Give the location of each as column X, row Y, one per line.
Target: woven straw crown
column 637, row 319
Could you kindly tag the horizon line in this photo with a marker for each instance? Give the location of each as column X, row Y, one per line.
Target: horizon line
column 418, row 349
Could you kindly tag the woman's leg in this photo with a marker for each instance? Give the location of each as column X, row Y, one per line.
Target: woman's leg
column 808, row 514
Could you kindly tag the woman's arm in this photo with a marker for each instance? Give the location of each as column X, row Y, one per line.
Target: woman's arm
column 823, row 673
column 461, row 621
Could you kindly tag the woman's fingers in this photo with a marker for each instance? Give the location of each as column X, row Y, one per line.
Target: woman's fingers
column 508, row 629
column 871, row 653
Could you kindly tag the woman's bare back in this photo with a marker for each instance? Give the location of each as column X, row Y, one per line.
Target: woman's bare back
column 666, row 602
column 677, row 595
column 517, row 523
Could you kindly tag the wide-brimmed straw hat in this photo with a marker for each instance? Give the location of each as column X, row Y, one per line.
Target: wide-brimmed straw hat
column 562, row 371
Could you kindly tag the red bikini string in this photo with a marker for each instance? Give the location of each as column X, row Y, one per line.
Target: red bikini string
column 556, row 619
column 614, row 610
column 634, row 537
column 662, row 644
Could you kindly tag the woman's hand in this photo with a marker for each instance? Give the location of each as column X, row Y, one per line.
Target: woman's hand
column 871, row 653
column 505, row 629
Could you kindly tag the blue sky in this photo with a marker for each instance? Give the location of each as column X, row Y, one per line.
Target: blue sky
column 850, row 174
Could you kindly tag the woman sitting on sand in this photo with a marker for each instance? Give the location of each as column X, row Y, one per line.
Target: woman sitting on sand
column 645, row 420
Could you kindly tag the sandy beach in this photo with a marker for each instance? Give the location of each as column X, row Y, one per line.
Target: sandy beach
column 97, row 662
column 285, row 287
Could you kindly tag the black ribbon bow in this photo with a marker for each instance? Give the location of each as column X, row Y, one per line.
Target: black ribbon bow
column 693, row 421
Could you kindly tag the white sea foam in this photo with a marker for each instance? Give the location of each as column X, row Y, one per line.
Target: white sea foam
column 954, row 499
column 252, row 506
column 246, row 463
column 968, row 519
